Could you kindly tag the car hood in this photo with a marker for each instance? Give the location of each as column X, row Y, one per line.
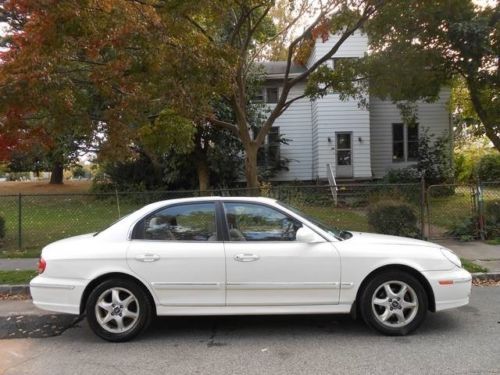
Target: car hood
column 383, row 239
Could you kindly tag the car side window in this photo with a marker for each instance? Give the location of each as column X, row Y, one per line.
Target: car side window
column 190, row 222
column 256, row 222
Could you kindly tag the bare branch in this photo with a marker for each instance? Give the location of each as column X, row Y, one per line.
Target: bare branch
column 290, row 102
column 224, row 125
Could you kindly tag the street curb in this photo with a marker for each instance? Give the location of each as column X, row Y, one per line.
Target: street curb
column 486, row 276
column 24, row 289
column 19, row 289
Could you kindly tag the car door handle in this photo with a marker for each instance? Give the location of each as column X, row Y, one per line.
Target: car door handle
column 147, row 258
column 246, row 257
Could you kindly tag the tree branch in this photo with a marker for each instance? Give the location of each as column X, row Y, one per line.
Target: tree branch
column 224, row 125
column 288, row 84
column 199, row 28
column 290, row 102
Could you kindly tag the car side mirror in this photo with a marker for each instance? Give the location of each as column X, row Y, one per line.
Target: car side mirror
column 307, row 235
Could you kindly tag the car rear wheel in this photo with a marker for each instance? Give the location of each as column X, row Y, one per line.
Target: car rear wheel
column 394, row 303
column 118, row 310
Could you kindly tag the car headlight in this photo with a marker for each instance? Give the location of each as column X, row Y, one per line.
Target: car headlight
column 451, row 256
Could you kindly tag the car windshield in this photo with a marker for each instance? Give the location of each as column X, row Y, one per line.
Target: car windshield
column 337, row 233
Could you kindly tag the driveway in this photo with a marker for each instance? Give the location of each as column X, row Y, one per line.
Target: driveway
column 463, row 341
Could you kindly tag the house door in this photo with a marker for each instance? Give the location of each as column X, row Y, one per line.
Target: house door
column 343, row 154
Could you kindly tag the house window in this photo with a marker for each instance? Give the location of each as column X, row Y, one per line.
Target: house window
column 272, row 95
column 269, row 154
column 412, row 141
column 404, row 142
column 258, row 96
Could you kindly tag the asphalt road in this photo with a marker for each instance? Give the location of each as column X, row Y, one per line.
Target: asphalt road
column 461, row 341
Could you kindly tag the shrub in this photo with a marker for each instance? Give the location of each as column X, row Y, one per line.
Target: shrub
column 464, row 230
column 2, row 227
column 434, row 160
column 78, row 172
column 488, row 168
column 492, row 219
column 403, row 175
column 467, row 229
column 492, row 211
column 395, row 218
column 18, row 176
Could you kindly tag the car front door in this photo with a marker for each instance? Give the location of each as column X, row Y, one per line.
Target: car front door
column 177, row 251
column 267, row 266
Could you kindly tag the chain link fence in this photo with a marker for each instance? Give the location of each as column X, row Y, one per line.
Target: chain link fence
column 443, row 211
column 464, row 212
column 33, row 221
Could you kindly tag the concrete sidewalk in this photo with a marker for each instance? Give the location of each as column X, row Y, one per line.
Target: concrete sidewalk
column 18, row 264
column 476, row 251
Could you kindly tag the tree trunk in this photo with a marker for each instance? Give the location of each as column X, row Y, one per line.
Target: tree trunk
column 489, row 119
column 203, row 174
column 251, row 172
column 56, row 177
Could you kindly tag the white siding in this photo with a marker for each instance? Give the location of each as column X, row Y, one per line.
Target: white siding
column 383, row 114
column 355, row 46
column 335, row 115
column 308, row 125
column 296, row 125
column 315, row 139
column 331, row 115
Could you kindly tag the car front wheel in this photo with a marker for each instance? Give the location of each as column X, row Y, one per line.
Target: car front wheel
column 394, row 303
column 118, row 310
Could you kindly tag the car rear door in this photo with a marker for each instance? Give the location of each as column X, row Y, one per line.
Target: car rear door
column 178, row 252
column 266, row 266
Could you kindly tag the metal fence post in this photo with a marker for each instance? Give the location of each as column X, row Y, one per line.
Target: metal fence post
column 118, row 203
column 20, row 222
column 422, row 206
column 480, row 211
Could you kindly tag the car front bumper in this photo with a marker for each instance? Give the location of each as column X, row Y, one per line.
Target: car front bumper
column 451, row 288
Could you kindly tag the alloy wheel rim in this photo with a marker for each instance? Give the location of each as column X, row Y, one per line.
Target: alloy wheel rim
column 117, row 310
column 395, row 304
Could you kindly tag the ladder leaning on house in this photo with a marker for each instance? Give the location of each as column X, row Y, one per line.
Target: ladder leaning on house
column 332, row 183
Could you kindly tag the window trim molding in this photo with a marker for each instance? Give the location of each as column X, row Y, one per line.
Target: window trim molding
column 226, row 225
column 266, row 97
column 138, row 226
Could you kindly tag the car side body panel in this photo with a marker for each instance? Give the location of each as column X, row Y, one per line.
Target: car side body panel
column 75, row 262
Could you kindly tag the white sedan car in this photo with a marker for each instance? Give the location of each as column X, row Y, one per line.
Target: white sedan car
column 229, row 256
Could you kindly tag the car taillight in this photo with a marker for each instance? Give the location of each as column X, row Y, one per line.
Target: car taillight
column 41, row 265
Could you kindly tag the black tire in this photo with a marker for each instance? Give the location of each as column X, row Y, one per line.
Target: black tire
column 373, row 314
column 141, row 306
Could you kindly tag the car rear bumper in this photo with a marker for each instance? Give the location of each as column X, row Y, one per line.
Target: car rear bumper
column 451, row 288
column 61, row 295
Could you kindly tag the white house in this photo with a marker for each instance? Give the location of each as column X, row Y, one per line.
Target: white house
column 358, row 143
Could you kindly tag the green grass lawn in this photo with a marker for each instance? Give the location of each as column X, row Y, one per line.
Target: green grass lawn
column 342, row 218
column 17, row 277
column 472, row 267
column 49, row 218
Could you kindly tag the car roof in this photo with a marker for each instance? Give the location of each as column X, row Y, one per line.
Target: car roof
column 213, row 199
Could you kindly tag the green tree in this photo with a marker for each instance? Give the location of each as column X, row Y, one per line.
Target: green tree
column 420, row 45
column 244, row 29
column 108, row 69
